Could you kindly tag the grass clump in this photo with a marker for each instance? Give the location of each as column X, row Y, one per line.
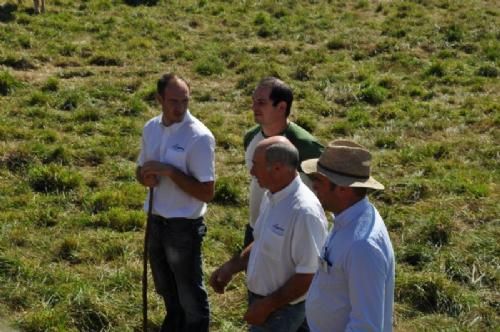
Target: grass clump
column 105, row 60
column 130, row 196
column 17, row 160
column 415, row 255
column 70, row 99
column 227, row 192
column 487, row 71
column 46, row 217
column 39, row 98
column 43, row 319
column 341, row 128
column 8, row 83
column 87, row 115
column 437, row 231
column 409, row 192
column 8, row 267
column 432, row 294
column 17, row 63
column 135, row 107
column 386, row 142
column 52, row 84
column 336, row 44
column 119, row 219
column 436, row 69
column 104, row 200
column 59, row 155
column 307, row 122
column 359, row 117
column 53, row 178
column 453, row 33
column 141, row 2
column 209, row 65
column 67, row 250
column 373, row 94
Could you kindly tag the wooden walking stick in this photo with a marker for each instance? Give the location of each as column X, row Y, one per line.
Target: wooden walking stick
column 145, row 264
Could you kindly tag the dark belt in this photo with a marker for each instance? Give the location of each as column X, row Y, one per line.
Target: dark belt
column 174, row 220
column 257, row 296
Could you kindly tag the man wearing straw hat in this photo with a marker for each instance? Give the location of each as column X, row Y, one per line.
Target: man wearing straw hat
column 353, row 289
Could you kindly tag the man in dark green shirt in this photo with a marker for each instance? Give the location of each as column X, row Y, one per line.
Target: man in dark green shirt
column 272, row 103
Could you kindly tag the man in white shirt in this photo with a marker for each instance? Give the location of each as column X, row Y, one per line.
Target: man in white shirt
column 288, row 235
column 177, row 159
column 353, row 289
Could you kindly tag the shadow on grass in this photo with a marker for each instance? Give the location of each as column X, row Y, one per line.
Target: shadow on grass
column 136, row 3
column 6, row 12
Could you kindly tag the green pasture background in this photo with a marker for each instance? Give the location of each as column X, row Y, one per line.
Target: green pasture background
column 416, row 81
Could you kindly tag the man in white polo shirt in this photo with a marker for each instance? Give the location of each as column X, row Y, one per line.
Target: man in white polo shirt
column 353, row 289
column 288, row 235
column 177, row 159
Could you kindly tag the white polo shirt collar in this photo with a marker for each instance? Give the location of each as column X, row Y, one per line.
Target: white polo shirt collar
column 278, row 196
column 175, row 126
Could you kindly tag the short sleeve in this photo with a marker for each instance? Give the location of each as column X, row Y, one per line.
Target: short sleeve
column 141, row 159
column 201, row 159
column 307, row 241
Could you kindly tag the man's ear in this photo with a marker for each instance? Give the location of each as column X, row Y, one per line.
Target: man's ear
column 275, row 167
column 282, row 106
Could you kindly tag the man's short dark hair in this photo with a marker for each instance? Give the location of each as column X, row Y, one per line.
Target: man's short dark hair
column 165, row 80
column 280, row 91
column 282, row 153
column 358, row 191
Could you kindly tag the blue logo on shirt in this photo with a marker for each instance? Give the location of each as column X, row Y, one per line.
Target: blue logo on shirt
column 178, row 148
column 277, row 229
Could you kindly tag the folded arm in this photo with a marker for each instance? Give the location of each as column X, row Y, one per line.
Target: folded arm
column 203, row 191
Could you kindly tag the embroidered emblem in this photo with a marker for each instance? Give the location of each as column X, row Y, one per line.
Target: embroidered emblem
column 178, row 148
column 277, row 229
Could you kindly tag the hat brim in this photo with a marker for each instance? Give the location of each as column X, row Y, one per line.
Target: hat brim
column 311, row 166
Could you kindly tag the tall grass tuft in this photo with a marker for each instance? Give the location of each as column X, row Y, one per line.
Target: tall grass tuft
column 227, row 192
column 432, row 294
column 53, row 178
column 8, row 83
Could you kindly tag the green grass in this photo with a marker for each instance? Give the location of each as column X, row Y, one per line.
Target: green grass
column 414, row 81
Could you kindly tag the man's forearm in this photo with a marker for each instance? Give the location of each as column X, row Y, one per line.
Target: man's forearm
column 239, row 262
column 294, row 288
column 223, row 275
column 203, row 191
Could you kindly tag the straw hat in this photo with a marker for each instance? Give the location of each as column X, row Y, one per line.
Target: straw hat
column 346, row 164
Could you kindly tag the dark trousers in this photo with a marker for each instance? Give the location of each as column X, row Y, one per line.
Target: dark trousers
column 303, row 326
column 290, row 318
column 176, row 264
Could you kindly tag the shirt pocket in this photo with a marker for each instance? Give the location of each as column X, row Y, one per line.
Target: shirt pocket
column 176, row 158
column 272, row 244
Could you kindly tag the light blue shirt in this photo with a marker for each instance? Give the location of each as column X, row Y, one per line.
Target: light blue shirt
column 353, row 289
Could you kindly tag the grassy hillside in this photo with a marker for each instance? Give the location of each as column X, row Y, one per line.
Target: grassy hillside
column 417, row 82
